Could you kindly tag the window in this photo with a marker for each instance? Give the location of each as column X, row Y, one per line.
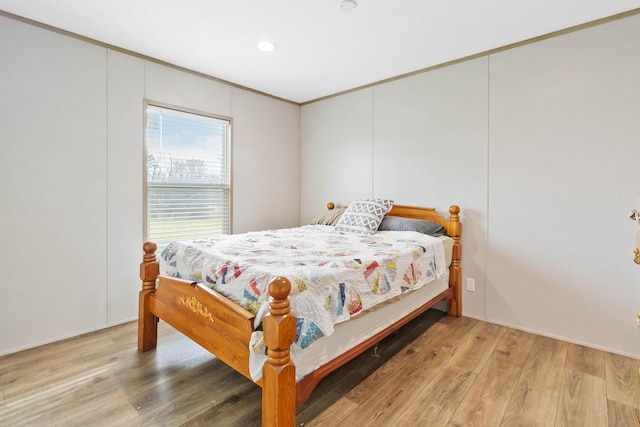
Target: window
column 188, row 181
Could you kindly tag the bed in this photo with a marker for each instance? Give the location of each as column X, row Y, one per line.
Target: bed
column 226, row 328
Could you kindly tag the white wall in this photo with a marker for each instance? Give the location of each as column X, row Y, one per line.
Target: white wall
column 564, row 172
column 336, row 151
column 71, row 132
column 53, row 170
column 539, row 146
column 266, row 167
column 417, row 125
column 125, row 89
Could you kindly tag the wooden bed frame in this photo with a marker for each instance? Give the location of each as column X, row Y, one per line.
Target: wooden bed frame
column 224, row 328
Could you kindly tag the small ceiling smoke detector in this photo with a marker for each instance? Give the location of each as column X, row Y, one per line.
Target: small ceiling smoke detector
column 348, row 5
column 266, row 46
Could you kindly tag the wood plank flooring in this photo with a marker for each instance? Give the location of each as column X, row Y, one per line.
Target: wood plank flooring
column 437, row 371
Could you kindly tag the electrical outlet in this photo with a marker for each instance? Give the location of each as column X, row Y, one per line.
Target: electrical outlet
column 471, row 285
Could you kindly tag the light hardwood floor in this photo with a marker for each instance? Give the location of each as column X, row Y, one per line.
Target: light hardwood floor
column 437, row 371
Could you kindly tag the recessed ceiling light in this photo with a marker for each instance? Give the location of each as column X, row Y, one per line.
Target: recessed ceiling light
column 266, row 46
column 348, row 5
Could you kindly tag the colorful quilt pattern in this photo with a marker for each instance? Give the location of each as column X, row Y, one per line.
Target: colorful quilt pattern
column 334, row 275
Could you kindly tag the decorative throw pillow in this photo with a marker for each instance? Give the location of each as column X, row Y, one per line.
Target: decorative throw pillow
column 364, row 216
column 329, row 217
column 398, row 223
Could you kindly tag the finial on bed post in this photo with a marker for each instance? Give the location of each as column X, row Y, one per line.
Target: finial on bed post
column 147, row 322
column 454, row 229
column 279, row 372
column 331, row 205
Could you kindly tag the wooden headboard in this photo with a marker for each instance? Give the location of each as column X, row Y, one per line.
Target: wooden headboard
column 452, row 224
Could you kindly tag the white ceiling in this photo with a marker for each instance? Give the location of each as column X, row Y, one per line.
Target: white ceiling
column 322, row 50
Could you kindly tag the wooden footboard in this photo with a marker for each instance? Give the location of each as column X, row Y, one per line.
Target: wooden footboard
column 224, row 329
column 197, row 311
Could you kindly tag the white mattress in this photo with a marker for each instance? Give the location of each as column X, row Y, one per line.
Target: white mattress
column 360, row 328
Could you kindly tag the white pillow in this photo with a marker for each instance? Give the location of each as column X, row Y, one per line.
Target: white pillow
column 364, row 216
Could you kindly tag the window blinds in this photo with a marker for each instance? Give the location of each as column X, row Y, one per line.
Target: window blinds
column 188, row 181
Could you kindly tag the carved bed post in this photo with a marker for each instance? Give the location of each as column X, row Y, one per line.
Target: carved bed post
column 279, row 373
column 147, row 322
column 454, row 228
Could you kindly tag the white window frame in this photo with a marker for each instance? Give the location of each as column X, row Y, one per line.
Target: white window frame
column 225, row 187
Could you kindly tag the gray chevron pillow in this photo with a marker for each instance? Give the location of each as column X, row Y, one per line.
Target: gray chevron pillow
column 364, row 216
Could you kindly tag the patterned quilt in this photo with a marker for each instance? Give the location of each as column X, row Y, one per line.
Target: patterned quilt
column 334, row 275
